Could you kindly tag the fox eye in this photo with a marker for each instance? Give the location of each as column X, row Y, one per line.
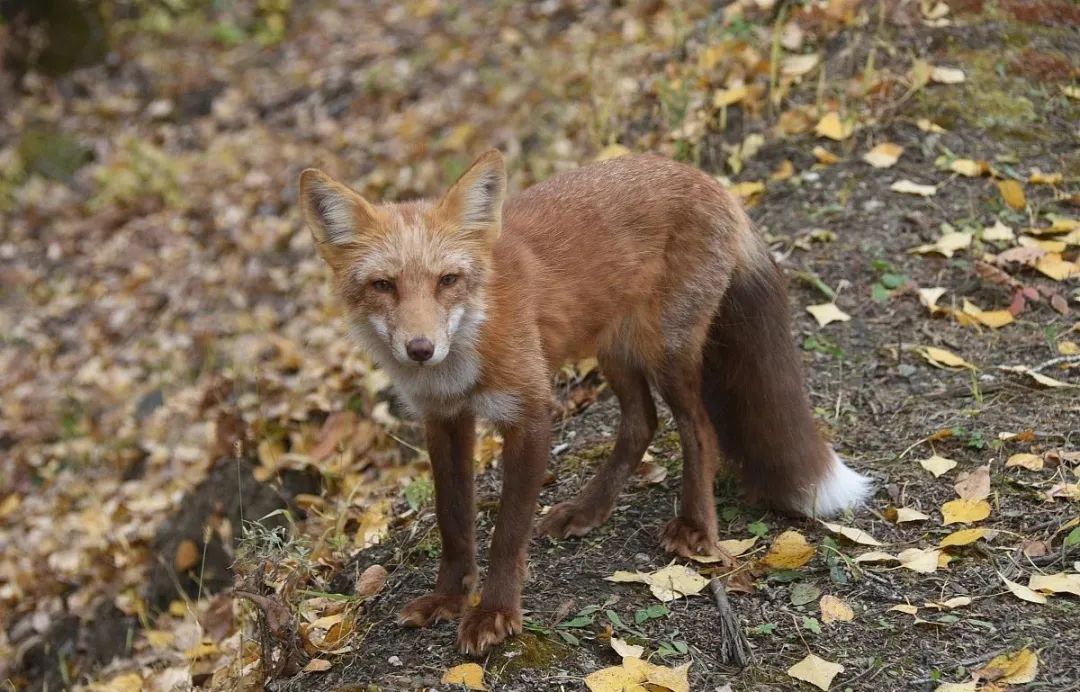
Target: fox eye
column 448, row 280
column 382, row 285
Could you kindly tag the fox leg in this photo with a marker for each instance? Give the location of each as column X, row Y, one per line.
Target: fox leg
column 450, row 445
column 526, row 446
column 694, row 531
column 637, row 424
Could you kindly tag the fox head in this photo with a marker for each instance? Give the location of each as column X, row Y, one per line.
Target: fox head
column 412, row 276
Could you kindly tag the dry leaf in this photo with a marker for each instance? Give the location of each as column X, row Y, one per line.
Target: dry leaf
column 187, row 555
column 1056, row 583
column 905, row 514
column 1042, row 379
column 788, row 551
column 371, row 581
column 835, row 610
column 999, row 232
column 955, row 602
column 1022, row 592
column 947, row 75
column 1013, row 194
column 470, row 675
column 668, row 583
column 1033, row 462
column 1039, row 178
column 624, row 649
column 827, row 313
column 317, row 665
column 964, row 511
column 824, row 156
column 1016, row 668
column 974, row 485
column 930, row 296
column 876, row 556
column 905, row 608
column 852, row 534
column 988, row 318
column 816, row 671
column 884, row 155
column 969, row 686
column 784, row 171
column 937, row 465
column 918, row 560
column 943, row 358
column 798, row 65
column 929, row 126
column 736, row 547
column 947, row 244
column 613, row 679
column 912, row 188
column 962, row 537
column 832, row 127
column 1051, row 264
column 723, row 98
column 969, row 168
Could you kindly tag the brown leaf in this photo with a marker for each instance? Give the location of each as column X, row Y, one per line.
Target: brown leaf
column 371, row 581
column 187, row 556
column 974, row 485
column 335, row 430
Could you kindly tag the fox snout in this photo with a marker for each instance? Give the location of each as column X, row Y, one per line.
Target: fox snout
column 420, row 349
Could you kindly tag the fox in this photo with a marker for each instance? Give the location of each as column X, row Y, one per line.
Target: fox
column 470, row 302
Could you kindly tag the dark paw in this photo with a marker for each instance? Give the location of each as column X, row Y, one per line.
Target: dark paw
column 571, row 519
column 431, row 608
column 685, row 538
column 481, row 628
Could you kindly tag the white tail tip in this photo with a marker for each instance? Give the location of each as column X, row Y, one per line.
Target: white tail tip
column 841, row 489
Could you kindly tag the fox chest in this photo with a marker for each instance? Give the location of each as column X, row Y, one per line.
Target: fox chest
column 498, row 407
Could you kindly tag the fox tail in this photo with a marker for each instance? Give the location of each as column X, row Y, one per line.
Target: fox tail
column 754, row 391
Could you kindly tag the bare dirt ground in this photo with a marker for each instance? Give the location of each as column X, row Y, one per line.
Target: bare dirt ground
column 174, row 367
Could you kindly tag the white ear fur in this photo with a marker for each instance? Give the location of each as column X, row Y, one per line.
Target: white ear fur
column 334, row 213
column 477, row 197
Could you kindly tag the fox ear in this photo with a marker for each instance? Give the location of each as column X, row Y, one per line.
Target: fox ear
column 336, row 215
column 475, row 200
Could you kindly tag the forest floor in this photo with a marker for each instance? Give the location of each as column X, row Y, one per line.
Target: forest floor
column 196, row 467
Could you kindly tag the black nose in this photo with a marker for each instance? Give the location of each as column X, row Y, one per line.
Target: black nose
column 420, row 349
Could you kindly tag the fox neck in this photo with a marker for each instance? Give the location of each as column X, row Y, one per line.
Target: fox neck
column 432, row 388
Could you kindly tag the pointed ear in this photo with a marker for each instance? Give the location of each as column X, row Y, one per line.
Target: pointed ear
column 475, row 200
column 336, row 216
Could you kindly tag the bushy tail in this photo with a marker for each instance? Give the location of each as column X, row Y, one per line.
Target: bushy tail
column 755, row 393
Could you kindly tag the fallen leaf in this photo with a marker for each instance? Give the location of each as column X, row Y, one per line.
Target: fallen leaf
column 969, row 168
column 1039, row 178
column 1016, row 668
column 962, row 537
column 1033, row 462
column 1042, row 379
column 994, row 319
column 964, row 511
column 918, row 560
column 937, row 465
column 947, row 75
column 816, row 671
column 650, row 473
column 876, row 556
column 736, row 547
column 1056, row 583
column 1013, row 194
column 930, row 296
column 955, row 602
column 905, row 514
column 1051, row 264
column 912, row 188
column 723, row 98
column 318, row 665
column 943, row 358
column 798, row 65
column 852, row 534
column 835, row 610
column 127, row 682
column 905, row 608
column 832, row 127
column 999, row 232
column 969, row 686
column 884, row 155
column 929, row 126
column 624, row 649
column 668, row 583
column 803, row 593
column 947, row 244
column 784, row 171
column 974, row 485
column 788, row 551
column 747, row 189
column 187, row 555
column 827, row 313
column 824, row 156
column 371, row 581
column 470, row 675
column 1022, row 592
column 613, row 679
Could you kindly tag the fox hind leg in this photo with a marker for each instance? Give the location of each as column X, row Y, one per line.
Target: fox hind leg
column 637, row 424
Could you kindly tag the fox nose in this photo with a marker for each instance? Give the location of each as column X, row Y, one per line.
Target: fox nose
column 420, row 349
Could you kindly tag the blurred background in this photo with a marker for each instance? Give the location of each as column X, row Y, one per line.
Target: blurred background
column 168, row 339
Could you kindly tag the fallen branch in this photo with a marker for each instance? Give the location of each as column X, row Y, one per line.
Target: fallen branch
column 734, row 646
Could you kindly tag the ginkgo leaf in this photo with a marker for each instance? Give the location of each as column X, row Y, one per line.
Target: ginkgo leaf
column 1022, row 592
column 729, row 97
column 884, row 155
column 1037, row 177
column 950, row 604
column 876, row 556
column 946, row 245
column 937, row 465
column 1051, row 264
column 612, row 679
column 1016, row 668
column 918, row 560
column 824, row 156
column 1025, row 460
column 827, row 313
column 969, row 168
column 964, row 511
column 816, row 671
column 470, row 675
column 1056, row 583
column 947, row 75
column 905, row 608
column 962, row 537
column 788, row 551
column 944, row 358
column 1013, row 194
column 835, row 610
column 906, row 514
column 970, row 686
column 1042, row 379
column 999, row 232
column 852, row 534
column 623, row 648
column 736, row 547
column 833, row 127
column 994, row 319
column 908, row 187
column 974, row 485
column 930, row 296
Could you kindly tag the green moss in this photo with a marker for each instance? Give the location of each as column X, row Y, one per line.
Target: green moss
column 530, row 651
column 51, row 154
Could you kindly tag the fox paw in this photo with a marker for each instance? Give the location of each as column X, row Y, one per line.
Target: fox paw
column 685, row 538
column 571, row 519
column 431, row 608
column 481, row 628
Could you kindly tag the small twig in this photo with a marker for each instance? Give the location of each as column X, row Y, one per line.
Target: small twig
column 734, row 646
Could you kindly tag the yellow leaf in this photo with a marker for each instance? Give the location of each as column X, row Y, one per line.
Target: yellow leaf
column 798, row 65
column 673, row 679
column 736, row 547
column 1013, row 194
column 202, row 650
column 993, row 318
column 827, row 313
column 612, row 151
column 613, row 679
column 816, row 671
column 748, row 189
column 969, row 168
column 160, row 639
column 468, row 674
column 955, row 602
column 943, row 358
column 675, row 581
column 832, row 127
column 1033, row 462
column 729, row 97
column 1040, row 178
column 317, row 665
column 1042, row 379
column 835, row 610
column 1056, row 583
column 912, row 188
column 905, row 514
column 1063, row 224
column 788, row 551
column 969, row 686
column 784, row 171
column 964, row 511
column 930, row 126
column 622, row 648
column 999, row 232
column 1016, row 668
column 1051, row 264
column 1068, row 348
column 824, row 156
column 852, row 534
column 930, row 296
column 1071, row 91
column 947, row 244
column 1022, row 592
column 962, row 537
column 937, row 465
column 918, row 560
column 884, row 155
column 905, row 608
column 947, row 75
column 876, row 556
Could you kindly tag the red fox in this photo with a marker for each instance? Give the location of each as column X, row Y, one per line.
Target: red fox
column 471, row 304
